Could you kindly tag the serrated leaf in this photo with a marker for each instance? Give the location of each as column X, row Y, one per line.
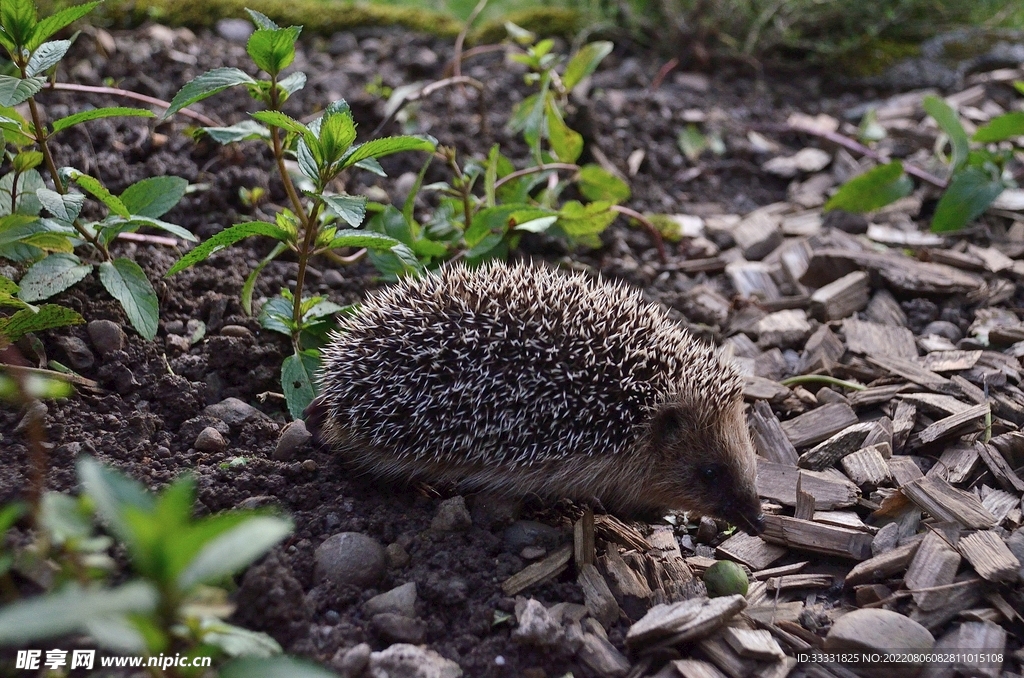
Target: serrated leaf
column 153, row 197
column 285, row 122
column 566, row 143
column 18, row 18
column 261, row 20
column 127, row 282
column 872, row 190
column 242, row 131
column 950, row 124
column 205, row 85
column 578, row 220
column 273, row 49
column 250, row 280
column 45, row 317
column 46, row 56
column 97, row 113
column 229, row 236
column 969, row 193
column 49, row 242
column 235, row 641
column 354, row 238
column 96, row 189
column 234, row 550
column 307, row 161
column 274, row 667
column 378, row 148
column 595, row 183
column 585, row 62
column 350, row 208
column 292, row 83
column 297, row 380
column 27, row 160
column 538, row 225
column 65, row 207
column 14, row 91
column 1002, row 127
column 56, row 21
column 276, row 315
column 52, row 275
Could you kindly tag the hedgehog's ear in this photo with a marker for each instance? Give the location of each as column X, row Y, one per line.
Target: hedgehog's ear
column 669, row 424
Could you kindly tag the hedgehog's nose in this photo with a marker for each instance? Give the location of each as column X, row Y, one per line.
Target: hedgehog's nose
column 756, row 525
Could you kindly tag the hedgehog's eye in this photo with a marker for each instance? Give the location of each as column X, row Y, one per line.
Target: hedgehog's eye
column 710, row 473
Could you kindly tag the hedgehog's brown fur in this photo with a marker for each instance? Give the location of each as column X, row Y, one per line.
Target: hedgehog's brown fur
column 525, row 380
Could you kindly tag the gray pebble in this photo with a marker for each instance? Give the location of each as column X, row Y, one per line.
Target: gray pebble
column 236, row 331
column 293, row 438
column 533, row 552
column 943, row 328
column 404, row 660
column 350, row 558
column 707, row 531
column 309, row 465
column 398, row 557
column 235, row 30
column 396, row 628
column 452, row 516
column 233, row 412
column 78, row 353
column 399, row 600
column 333, row 278
column 352, row 662
column 174, row 327
column 872, row 630
column 35, row 413
column 210, row 440
column 106, row 336
column 523, row 533
column 536, row 625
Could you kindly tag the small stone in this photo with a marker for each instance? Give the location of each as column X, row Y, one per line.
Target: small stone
column 399, row 600
column 236, row 331
column 334, row 279
column 523, row 533
column 397, row 628
column 873, row 630
column 235, row 30
column 350, row 558
column 35, row 414
column 848, row 222
column 233, row 412
column 352, row 662
column 78, row 353
column 707, row 531
column 210, row 440
column 452, row 516
column 398, row 557
column 309, row 465
column 106, row 336
column 402, row 660
column 174, row 327
column 293, row 438
column 532, row 552
column 177, row 344
column 536, row 625
column 943, row 328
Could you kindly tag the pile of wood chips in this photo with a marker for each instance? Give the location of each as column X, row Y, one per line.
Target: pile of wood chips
column 894, row 491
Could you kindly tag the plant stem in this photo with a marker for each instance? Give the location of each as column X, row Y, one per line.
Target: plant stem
column 655, row 234
column 128, row 94
column 534, row 170
column 304, row 254
column 821, row 378
column 465, row 192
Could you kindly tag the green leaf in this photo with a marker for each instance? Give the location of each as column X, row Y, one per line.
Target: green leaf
column 276, row 315
column 236, row 641
column 872, row 190
column 261, row 20
column 243, row 131
column 275, row 667
column 205, row 85
column 53, row 23
column 595, row 183
column 114, row 494
column 71, row 610
column 96, row 189
column 65, row 207
column 10, row 514
column 14, row 91
column 234, row 550
column 46, row 317
column 585, row 62
column 297, row 380
column 52, row 275
column 578, row 220
column 97, row 113
column 46, row 56
column 227, row 237
column 126, row 282
column 337, row 132
column 378, row 148
column 292, row 83
column 354, row 238
column 285, row 122
column 950, row 124
column 566, row 143
column 1002, row 127
column 19, row 19
column 273, row 49
column 153, row 197
column 27, row 160
column 49, row 241
column 538, row 225
column 969, row 193
column 498, row 220
column 250, row 280
column 350, row 208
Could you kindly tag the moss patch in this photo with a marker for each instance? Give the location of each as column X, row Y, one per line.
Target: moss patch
column 546, row 21
column 875, row 57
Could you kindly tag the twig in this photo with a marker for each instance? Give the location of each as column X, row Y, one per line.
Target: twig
column 128, row 94
column 350, row 259
column 461, row 39
column 150, row 239
column 534, row 170
column 904, row 594
column 659, row 242
column 21, row 370
column 815, row 378
column 435, row 86
column 472, row 52
column 663, row 72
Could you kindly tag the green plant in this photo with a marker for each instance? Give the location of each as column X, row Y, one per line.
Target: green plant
column 978, row 172
column 175, row 602
column 318, row 221
column 28, row 318
column 65, row 247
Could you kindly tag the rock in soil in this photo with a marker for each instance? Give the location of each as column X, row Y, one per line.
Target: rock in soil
column 452, row 516
column 350, row 558
column 106, row 335
column 210, row 440
column 402, row 660
column 399, row 600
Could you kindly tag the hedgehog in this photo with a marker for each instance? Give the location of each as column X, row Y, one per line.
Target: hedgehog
column 525, row 380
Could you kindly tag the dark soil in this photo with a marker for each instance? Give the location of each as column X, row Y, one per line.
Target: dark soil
column 147, row 417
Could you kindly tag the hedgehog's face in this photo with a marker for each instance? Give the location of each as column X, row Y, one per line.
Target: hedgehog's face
column 707, row 465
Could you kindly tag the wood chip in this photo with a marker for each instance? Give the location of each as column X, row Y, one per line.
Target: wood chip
column 778, row 483
column 610, row 528
column 781, row 570
column 753, row 279
column 910, row 371
column 818, row 424
column 903, row 420
column 540, row 571
column 948, row 361
column 597, row 596
column 726, row 658
column 841, row 298
column 935, row 564
column 821, row 352
column 884, row 565
column 870, row 338
column 959, row 596
column 584, row 549
column 694, row 668
column 989, row 556
column 951, row 426
column 602, row 657
column 753, row 552
column 847, row 519
column 756, row 388
column 947, row 503
column 936, row 404
column 757, row 235
column 800, row 581
column 868, row 466
column 630, row 589
column 683, row 621
column 901, row 273
column 818, row 538
column 753, row 644
column 997, row 464
column 956, row 464
column 903, row 469
column 835, row 448
column 770, row 441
